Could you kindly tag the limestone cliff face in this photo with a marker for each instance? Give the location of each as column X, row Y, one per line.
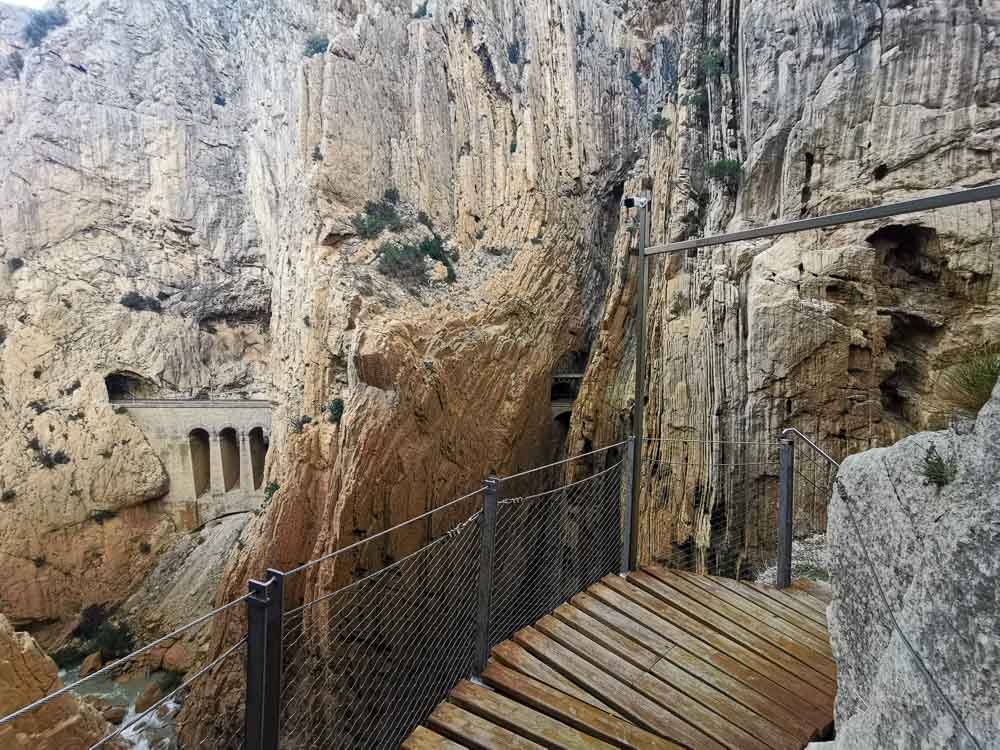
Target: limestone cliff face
column 828, row 106
column 27, row 674
column 193, row 154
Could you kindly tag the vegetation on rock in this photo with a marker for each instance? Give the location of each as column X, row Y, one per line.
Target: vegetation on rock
column 317, row 44
column 969, row 384
column 378, row 216
column 269, row 491
column 937, row 470
column 405, row 261
column 136, row 301
column 335, row 410
column 41, row 23
column 724, row 169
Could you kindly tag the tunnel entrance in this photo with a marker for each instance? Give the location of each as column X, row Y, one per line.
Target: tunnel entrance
column 229, row 444
column 124, row 385
column 258, row 452
column 201, row 461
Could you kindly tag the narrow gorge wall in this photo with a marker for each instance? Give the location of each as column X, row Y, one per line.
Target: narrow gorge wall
column 190, row 159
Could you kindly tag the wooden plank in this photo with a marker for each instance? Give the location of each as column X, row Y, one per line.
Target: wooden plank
column 423, row 738
column 818, row 643
column 814, row 602
column 716, row 719
column 743, row 663
column 820, row 591
column 522, row 720
column 515, row 657
column 763, row 600
column 623, row 647
column 697, row 659
column 765, row 626
column 630, row 702
column 791, row 602
column 474, row 731
column 711, row 619
column 571, row 711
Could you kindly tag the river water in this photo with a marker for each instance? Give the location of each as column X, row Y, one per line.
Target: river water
column 155, row 732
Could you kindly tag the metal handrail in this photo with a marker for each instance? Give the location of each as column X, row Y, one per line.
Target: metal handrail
column 813, row 445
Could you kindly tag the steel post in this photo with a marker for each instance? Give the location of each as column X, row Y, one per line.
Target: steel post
column 786, row 489
column 487, row 542
column 639, row 404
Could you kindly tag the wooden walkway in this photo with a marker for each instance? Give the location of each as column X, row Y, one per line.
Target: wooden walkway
column 662, row 659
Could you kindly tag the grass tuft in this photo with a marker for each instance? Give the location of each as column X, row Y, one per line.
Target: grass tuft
column 969, row 384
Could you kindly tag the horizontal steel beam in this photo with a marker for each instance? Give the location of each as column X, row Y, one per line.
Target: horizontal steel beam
column 955, row 198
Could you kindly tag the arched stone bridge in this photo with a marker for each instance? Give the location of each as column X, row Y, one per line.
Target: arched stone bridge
column 213, row 452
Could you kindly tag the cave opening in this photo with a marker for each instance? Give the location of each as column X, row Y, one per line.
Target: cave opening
column 906, row 252
column 201, row 461
column 229, row 444
column 258, row 453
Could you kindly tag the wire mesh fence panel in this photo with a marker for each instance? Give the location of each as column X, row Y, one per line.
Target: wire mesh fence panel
column 814, row 476
column 709, row 506
column 552, row 545
column 365, row 664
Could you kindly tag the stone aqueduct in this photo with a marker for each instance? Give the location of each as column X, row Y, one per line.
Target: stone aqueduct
column 213, row 452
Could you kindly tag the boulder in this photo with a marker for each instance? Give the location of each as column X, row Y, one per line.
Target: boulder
column 114, row 714
column 91, row 664
column 148, row 697
column 27, row 674
column 178, row 658
column 923, row 554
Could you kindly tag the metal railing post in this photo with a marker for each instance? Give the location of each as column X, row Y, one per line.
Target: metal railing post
column 273, row 669
column 638, row 408
column 627, row 511
column 253, row 717
column 487, row 541
column 786, row 487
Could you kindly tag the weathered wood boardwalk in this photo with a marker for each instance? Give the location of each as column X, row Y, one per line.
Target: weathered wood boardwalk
column 662, row 659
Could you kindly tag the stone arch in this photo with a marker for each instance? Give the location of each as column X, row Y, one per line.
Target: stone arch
column 201, row 461
column 258, row 440
column 229, row 444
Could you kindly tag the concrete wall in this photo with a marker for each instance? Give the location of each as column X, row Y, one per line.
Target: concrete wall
column 168, row 425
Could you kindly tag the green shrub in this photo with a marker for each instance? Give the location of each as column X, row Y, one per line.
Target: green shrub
column 376, row 218
column 724, row 169
column 406, row 261
column 100, row 516
column 297, row 425
column 698, row 99
column 712, row 63
column 317, row 44
column 91, row 619
column 335, row 410
column 424, row 218
column 403, row 262
column 41, row 23
column 969, row 384
column 114, row 640
column 51, row 460
column 936, row 470
column 269, row 491
column 68, row 656
column 14, row 264
column 635, row 78
column 391, row 195
column 136, row 301
column 659, row 123
column 8, row 495
column 421, row 11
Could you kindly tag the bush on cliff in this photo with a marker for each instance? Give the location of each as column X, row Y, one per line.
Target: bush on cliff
column 968, row 385
column 41, row 23
column 317, row 44
column 377, row 217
